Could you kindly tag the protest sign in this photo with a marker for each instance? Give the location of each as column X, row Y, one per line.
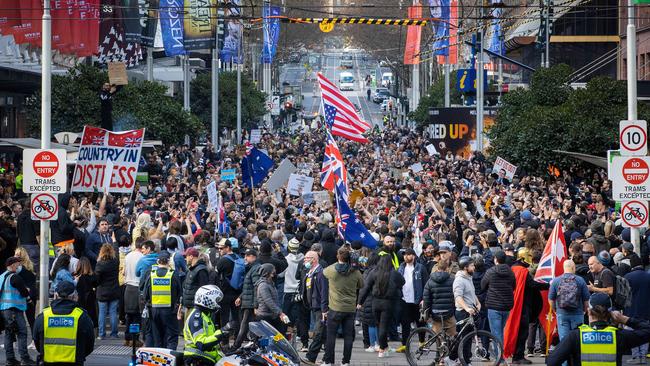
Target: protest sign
column 117, row 73
column 322, row 197
column 98, row 147
column 256, row 136
column 281, row 175
column 213, row 196
column 502, row 164
column 299, row 184
column 228, row 175
column 431, row 149
column 417, row 167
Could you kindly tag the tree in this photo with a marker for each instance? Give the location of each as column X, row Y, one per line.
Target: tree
column 253, row 100
column 436, row 98
column 75, row 103
column 553, row 116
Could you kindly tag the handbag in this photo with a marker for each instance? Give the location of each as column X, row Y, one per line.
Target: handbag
column 2, row 318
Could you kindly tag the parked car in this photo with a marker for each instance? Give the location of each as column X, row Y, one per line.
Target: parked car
column 380, row 95
column 384, row 105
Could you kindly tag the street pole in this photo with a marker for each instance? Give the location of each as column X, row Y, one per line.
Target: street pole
column 149, row 63
column 500, row 81
column 447, row 70
column 186, row 82
column 215, row 96
column 46, row 132
column 547, row 41
column 631, row 94
column 479, row 89
column 239, row 99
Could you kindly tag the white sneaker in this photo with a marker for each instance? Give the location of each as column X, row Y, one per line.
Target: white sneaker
column 449, row 362
column 386, row 353
column 370, row 349
column 377, row 348
column 345, row 364
column 325, row 364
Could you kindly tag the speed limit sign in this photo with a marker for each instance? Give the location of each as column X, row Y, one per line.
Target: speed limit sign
column 633, row 137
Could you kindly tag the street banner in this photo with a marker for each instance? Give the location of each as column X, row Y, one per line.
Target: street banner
column 132, row 25
column 213, row 196
column 10, row 15
column 149, row 22
column 440, row 10
column 508, row 169
column 171, row 26
column 98, row 148
column 299, row 184
column 86, row 27
column 61, row 31
column 200, row 24
column 112, row 44
column 453, row 37
column 271, row 32
column 233, row 30
column 495, row 38
column 280, row 176
column 413, row 37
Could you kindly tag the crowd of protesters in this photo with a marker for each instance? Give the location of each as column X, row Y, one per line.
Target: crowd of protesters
column 451, row 239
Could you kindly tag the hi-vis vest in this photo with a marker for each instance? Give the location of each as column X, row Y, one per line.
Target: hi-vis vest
column 161, row 289
column 597, row 347
column 60, row 336
column 393, row 258
column 10, row 296
column 204, row 332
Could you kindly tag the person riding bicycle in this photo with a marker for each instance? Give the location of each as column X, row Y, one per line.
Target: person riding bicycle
column 201, row 336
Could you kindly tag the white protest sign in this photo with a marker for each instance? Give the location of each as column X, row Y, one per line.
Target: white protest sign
column 299, row 184
column 108, row 175
column 281, row 175
column 322, row 197
column 44, row 171
column 432, row 150
column 417, row 167
column 213, row 196
column 501, row 164
column 256, row 136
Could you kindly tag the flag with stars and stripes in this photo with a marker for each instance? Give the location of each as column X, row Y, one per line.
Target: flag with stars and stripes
column 340, row 114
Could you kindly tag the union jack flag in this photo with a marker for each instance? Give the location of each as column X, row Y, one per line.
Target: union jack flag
column 333, row 172
column 132, row 141
column 97, row 140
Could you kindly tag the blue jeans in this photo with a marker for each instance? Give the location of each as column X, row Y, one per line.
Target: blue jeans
column 16, row 330
column 567, row 322
column 497, row 320
column 111, row 306
column 372, row 336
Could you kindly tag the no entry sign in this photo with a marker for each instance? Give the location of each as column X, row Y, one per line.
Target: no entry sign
column 635, row 214
column 633, row 136
column 44, row 171
column 630, row 178
column 44, row 206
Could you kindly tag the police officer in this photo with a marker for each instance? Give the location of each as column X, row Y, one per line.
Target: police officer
column 601, row 343
column 200, row 334
column 162, row 294
column 63, row 333
column 14, row 296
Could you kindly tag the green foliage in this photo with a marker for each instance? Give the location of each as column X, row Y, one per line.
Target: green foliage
column 253, row 101
column 436, row 98
column 75, row 103
column 553, row 116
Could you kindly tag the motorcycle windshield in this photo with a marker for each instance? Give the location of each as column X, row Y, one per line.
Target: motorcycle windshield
column 263, row 329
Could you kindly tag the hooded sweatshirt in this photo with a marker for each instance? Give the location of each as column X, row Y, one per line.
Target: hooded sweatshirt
column 344, row 282
column 267, row 294
column 291, row 283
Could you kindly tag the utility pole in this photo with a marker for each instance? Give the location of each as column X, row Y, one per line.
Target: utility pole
column 215, row 92
column 149, row 63
column 46, row 133
column 479, row 82
column 447, row 70
column 632, row 113
column 266, row 73
column 547, row 42
column 186, row 81
column 239, row 65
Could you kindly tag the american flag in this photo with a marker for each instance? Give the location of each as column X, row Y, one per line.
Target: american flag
column 333, row 172
column 345, row 121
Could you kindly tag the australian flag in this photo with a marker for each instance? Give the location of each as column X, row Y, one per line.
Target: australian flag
column 255, row 166
column 350, row 226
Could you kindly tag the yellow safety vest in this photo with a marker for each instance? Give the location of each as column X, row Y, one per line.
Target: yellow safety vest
column 393, row 258
column 60, row 336
column 161, row 289
column 204, row 332
column 597, row 346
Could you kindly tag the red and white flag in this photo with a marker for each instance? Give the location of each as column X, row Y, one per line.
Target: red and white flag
column 345, row 122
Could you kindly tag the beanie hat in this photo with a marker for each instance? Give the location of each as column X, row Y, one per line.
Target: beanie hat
column 293, row 245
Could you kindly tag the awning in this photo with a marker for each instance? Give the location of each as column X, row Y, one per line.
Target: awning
column 592, row 159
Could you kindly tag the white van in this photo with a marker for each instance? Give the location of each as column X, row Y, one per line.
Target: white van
column 346, row 81
column 387, row 78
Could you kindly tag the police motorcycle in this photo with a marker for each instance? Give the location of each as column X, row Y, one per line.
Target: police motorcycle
column 268, row 347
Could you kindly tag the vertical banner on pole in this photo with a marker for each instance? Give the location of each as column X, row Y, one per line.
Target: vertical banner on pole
column 440, row 10
column 413, row 37
column 271, row 32
column 230, row 52
column 453, row 33
column 199, row 24
column 171, row 26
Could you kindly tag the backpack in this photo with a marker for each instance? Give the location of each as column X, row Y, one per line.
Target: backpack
column 622, row 293
column 236, row 281
column 568, row 294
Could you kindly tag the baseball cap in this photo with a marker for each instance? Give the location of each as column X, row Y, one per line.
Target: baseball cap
column 445, row 246
column 191, row 251
column 65, row 288
column 601, row 299
column 576, row 235
column 628, row 246
column 11, row 260
column 224, row 243
column 250, row 252
column 509, row 247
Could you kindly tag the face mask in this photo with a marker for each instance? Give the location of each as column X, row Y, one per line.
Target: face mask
column 308, row 265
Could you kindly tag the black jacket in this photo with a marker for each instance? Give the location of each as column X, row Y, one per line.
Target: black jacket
column 224, row 269
column 316, row 297
column 330, row 248
column 27, row 228
column 392, row 292
column 367, row 315
column 569, row 348
column 500, row 283
column 439, row 294
column 197, row 276
column 85, row 331
column 277, row 260
column 108, row 287
column 62, row 228
column 248, row 289
column 176, row 286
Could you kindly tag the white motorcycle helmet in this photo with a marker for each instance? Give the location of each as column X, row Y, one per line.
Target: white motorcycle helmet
column 209, row 297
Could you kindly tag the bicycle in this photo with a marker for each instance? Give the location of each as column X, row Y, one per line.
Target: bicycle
column 484, row 348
